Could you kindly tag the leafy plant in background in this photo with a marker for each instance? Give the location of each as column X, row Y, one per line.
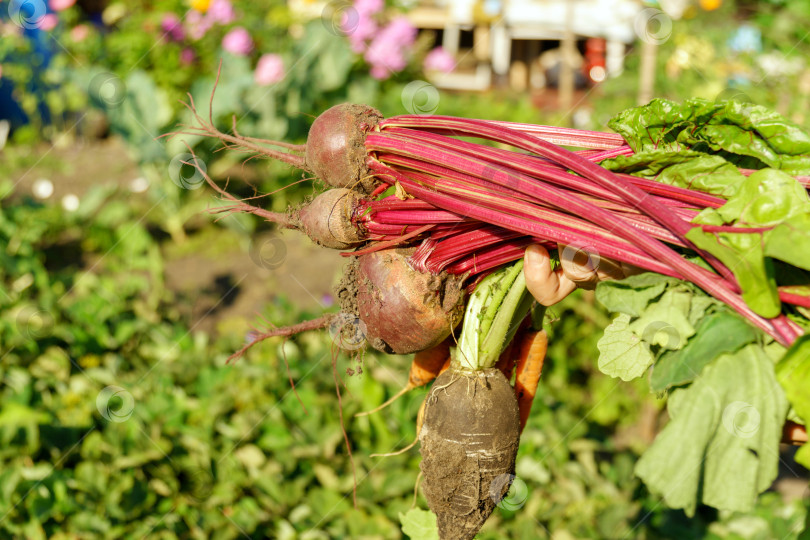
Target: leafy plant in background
column 117, row 421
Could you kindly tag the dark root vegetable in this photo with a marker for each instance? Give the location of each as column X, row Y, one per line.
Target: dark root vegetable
column 336, row 150
column 403, row 310
column 469, row 437
column 327, row 219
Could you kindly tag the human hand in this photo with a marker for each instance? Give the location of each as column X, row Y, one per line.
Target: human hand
column 577, row 269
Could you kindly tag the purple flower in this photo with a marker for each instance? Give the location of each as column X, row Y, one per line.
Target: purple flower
column 238, row 42
column 269, row 70
column 439, row 60
column 187, row 56
column 171, row 27
column 221, row 12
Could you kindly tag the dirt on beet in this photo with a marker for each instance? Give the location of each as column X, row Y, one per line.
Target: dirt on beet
column 404, row 311
column 469, row 440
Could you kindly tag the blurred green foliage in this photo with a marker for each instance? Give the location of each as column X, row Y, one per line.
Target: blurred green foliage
column 117, row 420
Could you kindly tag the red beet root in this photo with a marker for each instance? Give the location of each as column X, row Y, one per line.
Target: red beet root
column 327, row 220
column 336, row 150
column 404, row 311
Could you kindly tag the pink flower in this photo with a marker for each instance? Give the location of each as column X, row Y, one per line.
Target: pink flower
column 369, row 7
column 198, row 24
column 172, row 27
column 60, row 5
column 187, row 56
column 48, row 22
column 401, row 31
column 79, row 32
column 238, row 42
column 269, row 70
column 387, row 51
column 359, row 24
column 221, row 12
column 379, row 72
column 439, row 60
column 359, row 27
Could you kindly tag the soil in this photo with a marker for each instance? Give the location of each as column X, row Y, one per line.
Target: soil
column 221, row 281
column 469, row 441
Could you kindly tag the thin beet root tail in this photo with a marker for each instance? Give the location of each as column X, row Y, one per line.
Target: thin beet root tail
column 469, row 438
column 402, row 310
column 336, row 150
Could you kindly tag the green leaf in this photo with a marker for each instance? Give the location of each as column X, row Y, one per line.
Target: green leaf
column 767, row 197
column 687, row 169
column 790, row 241
column 631, row 295
column 793, row 373
column 665, row 323
column 743, row 254
column 716, row 334
column 721, row 446
column 747, row 135
column 621, row 353
column 419, row 524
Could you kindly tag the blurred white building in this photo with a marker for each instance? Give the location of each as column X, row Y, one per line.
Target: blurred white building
column 516, row 39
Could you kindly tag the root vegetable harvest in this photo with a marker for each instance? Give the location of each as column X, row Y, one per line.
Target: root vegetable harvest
column 465, row 209
column 472, row 422
column 524, row 198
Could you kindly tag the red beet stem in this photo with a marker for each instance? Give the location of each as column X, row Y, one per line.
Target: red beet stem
column 657, row 251
column 568, row 159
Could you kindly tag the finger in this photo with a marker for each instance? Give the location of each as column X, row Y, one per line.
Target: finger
column 548, row 287
column 578, row 266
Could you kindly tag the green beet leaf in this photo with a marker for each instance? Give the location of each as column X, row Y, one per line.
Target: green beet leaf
column 632, row 295
column 743, row 254
column 721, row 446
column 748, row 135
column 687, row 169
column 665, row 323
column 419, row 524
column 622, row 353
column 790, row 241
column 793, row 372
column 716, row 334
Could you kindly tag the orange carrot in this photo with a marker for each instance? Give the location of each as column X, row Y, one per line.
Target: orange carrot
column 425, row 367
column 530, row 363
